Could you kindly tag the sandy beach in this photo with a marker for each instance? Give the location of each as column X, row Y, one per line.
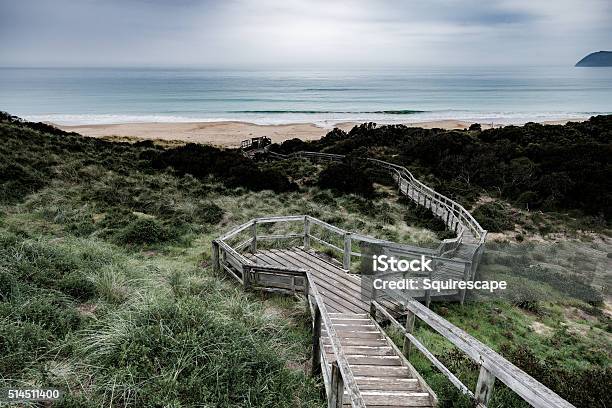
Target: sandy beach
column 230, row 134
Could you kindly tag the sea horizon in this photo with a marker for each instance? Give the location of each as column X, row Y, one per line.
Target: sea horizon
column 324, row 97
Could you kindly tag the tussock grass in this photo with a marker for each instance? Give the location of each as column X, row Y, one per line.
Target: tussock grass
column 106, row 289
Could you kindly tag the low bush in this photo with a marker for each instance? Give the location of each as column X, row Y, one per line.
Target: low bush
column 145, row 231
column 581, row 387
column 422, row 217
column 494, row 217
column 346, row 178
column 8, row 285
column 202, row 161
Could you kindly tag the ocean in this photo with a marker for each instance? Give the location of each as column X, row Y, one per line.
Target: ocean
column 324, row 97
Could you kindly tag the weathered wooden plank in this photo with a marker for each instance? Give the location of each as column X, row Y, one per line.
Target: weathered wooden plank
column 406, row 363
column 358, row 335
column 484, row 386
column 366, row 350
column 381, row 371
column 373, row 360
column 316, row 341
column 274, row 237
column 343, row 365
column 329, row 289
column 387, row 383
column 336, row 395
column 360, row 342
column 396, row 398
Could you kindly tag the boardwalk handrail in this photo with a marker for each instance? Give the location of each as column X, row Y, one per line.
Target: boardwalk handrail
column 296, row 280
column 462, row 217
column 344, row 379
column 492, row 365
column 227, row 255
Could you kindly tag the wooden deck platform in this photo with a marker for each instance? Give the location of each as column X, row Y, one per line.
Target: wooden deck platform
column 383, row 375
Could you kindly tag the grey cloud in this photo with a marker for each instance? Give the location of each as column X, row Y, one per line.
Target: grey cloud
column 313, row 32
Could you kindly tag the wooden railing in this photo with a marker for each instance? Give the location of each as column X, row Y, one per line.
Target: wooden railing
column 341, row 377
column 458, row 217
column 291, row 280
column 470, row 233
column 228, row 253
column 492, row 365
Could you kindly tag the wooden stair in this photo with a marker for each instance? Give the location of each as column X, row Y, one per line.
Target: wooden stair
column 383, row 375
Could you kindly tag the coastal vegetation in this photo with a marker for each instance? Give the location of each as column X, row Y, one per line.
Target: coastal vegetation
column 107, row 292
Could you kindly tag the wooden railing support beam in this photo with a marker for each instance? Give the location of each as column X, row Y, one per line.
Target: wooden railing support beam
column 254, row 237
column 306, row 233
column 316, row 341
column 215, row 256
column 484, row 386
column 346, row 259
column 246, row 277
column 336, row 388
column 409, row 329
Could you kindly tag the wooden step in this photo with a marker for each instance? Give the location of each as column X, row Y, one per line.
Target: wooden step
column 380, row 371
column 355, row 360
column 386, row 383
column 351, row 341
column 393, row 398
column 365, row 350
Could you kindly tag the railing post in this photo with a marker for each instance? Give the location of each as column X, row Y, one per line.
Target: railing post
column 466, row 277
column 246, row 276
column 346, row 260
column 484, row 386
column 316, row 341
column 254, row 237
column 215, row 256
column 409, row 329
column 372, row 300
column 428, row 291
column 336, row 387
column 306, row 233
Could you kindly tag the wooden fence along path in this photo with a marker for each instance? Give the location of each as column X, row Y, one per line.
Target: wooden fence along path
column 360, row 365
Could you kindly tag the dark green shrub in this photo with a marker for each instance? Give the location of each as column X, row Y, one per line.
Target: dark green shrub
column 145, row 230
column 17, row 181
column 52, row 313
column 229, row 165
column 346, row 178
column 582, row 387
column 209, row 213
column 8, row 285
column 494, row 217
column 19, row 344
column 324, row 197
column 78, row 286
column 423, row 217
column 524, row 295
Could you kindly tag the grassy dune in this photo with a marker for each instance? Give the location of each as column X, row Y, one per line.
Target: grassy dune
column 106, row 289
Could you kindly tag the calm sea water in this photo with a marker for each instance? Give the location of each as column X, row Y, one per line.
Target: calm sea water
column 501, row 95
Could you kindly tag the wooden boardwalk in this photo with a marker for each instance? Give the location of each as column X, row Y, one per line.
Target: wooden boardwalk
column 360, row 365
column 382, row 373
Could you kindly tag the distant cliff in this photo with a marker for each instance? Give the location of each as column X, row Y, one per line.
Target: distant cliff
column 596, row 59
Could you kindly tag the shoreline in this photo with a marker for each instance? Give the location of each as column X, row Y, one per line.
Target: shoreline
column 231, row 133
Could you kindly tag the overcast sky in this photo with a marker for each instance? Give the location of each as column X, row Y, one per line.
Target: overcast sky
column 301, row 33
